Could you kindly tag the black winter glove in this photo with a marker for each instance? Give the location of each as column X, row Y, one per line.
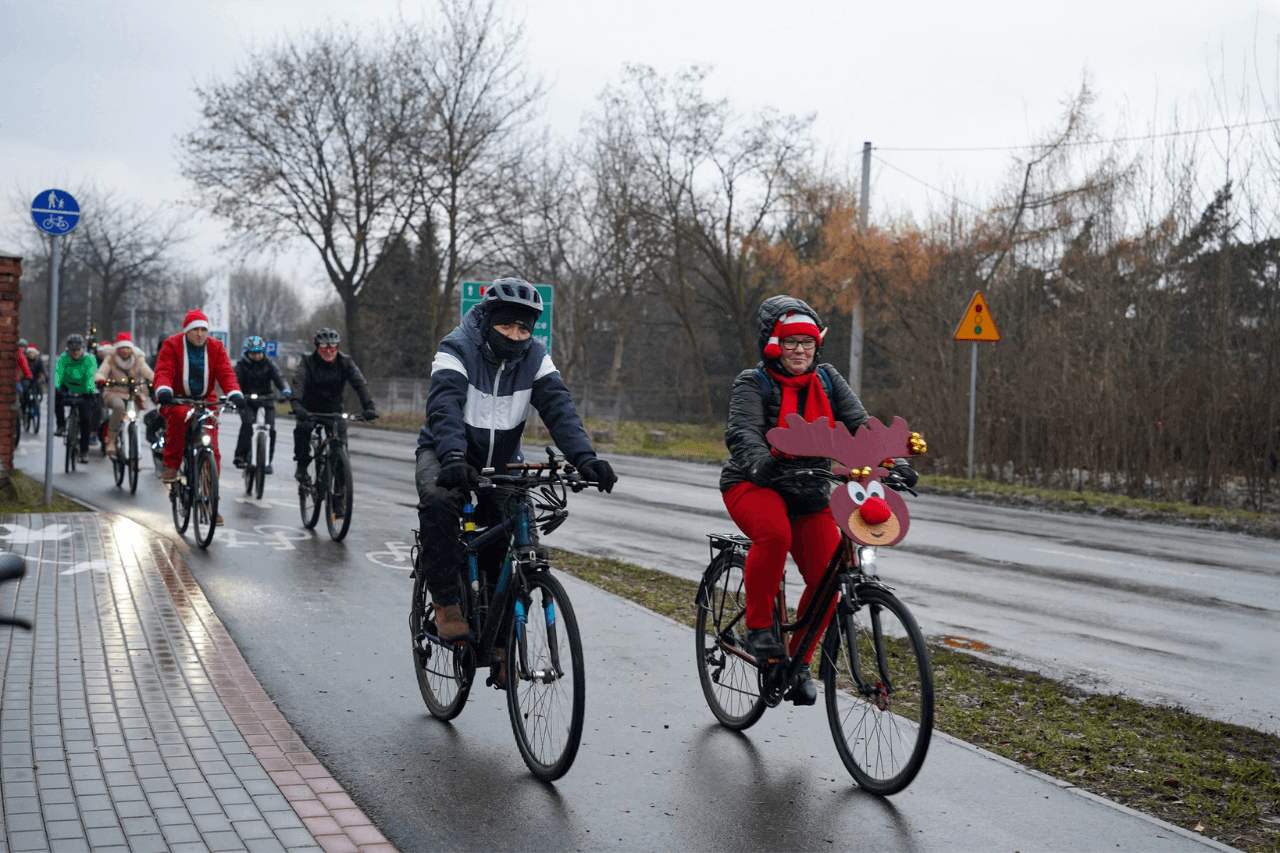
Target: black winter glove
column 299, row 410
column 902, row 477
column 456, row 473
column 763, row 472
column 164, row 397
column 601, row 472
column 370, row 415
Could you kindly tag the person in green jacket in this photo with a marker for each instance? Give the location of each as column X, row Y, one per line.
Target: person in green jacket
column 73, row 374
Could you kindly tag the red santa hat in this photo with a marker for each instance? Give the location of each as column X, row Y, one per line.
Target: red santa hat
column 124, row 339
column 795, row 323
column 195, row 319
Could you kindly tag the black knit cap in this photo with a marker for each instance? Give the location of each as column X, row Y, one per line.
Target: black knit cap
column 503, row 313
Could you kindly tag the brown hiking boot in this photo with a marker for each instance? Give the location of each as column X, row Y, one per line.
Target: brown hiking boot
column 449, row 622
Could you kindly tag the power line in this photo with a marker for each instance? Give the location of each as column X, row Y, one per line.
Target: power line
column 1148, row 137
column 926, row 184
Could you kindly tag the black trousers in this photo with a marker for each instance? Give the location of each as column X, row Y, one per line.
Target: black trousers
column 439, row 523
column 302, row 438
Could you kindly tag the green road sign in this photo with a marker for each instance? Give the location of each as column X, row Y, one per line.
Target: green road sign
column 473, row 292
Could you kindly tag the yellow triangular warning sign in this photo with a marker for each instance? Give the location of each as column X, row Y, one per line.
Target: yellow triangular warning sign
column 977, row 324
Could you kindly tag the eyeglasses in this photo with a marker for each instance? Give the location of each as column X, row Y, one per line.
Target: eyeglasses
column 806, row 344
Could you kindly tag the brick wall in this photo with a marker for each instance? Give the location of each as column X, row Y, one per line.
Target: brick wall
column 10, row 296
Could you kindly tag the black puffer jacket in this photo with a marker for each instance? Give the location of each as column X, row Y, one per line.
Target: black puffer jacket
column 317, row 383
column 258, row 377
column 752, row 414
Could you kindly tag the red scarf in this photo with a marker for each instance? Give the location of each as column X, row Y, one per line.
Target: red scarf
column 816, row 404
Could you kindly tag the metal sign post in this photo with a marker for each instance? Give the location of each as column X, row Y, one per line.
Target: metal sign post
column 56, row 213
column 976, row 325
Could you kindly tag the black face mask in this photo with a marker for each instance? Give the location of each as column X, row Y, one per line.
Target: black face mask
column 505, row 348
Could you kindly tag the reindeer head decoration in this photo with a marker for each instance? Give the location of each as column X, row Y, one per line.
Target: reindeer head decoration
column 862, row 508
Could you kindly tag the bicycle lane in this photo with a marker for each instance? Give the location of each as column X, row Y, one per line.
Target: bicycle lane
column 130, row 720
column 656, row 771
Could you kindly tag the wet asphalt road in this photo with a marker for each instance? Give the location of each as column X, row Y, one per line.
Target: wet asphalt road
column 324, row 627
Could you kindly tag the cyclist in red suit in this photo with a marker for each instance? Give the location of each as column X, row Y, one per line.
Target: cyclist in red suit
column 190, row 365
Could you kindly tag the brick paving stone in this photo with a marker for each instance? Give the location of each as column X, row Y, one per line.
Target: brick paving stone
column 132, row 723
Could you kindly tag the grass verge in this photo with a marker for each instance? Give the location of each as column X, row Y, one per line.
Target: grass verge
column 1213, row 778
column 23, row 495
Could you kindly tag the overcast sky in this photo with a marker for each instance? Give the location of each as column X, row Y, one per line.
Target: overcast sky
column 99, row 92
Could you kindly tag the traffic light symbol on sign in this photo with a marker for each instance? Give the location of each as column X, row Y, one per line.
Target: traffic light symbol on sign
column 977, row 324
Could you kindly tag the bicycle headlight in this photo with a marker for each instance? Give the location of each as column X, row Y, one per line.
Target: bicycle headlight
column 130, row 415
column 206, row 439
column 867, row 561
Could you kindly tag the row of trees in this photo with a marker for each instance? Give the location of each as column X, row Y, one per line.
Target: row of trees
column 1135, row 286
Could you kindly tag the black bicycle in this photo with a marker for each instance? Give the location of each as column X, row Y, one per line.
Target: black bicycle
column 194, row 495
column 874, row 663
column 329, row 485
column 79, row 406
column 522, row 623
column 12, row 568
column 32, row 397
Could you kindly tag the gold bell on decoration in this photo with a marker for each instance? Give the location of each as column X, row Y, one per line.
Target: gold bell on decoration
column 866, row 472
column 918, row 446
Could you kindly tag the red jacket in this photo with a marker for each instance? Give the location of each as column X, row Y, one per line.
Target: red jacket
column 172, row 368
column 24, row 369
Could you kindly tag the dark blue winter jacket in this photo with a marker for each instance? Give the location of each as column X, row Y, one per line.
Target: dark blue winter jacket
column 478, row 404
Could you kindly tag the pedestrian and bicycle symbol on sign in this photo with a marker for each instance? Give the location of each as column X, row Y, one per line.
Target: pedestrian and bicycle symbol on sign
column 55, row 212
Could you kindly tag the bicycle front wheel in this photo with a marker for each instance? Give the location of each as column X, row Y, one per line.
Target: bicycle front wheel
column 260, row 466
column 204, row 497
column 310, row 498
column 33, row 418
column 73, row 438
column 445, row 671
column 546, row 678
column 118, row 460
column 730, row 684
column 132, row 459
column 879, row 689
column 180, row 504
column 337, row 515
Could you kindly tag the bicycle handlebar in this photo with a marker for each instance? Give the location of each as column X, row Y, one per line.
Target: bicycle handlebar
column 335, row 416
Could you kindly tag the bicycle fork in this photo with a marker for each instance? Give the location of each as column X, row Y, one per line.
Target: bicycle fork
column 881, row 690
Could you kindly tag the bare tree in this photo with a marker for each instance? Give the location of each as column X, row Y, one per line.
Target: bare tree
column 124, row 247
column 313, row 140
column 262, row 303
column 478, row 103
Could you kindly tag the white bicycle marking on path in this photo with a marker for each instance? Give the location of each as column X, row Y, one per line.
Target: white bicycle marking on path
column 279, row 537
column 397, row 556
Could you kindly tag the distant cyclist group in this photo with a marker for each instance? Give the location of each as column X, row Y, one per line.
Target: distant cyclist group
column 483, row 593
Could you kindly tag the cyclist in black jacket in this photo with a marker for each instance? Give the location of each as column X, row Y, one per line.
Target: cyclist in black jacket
column 317, row 387
column 259, row 375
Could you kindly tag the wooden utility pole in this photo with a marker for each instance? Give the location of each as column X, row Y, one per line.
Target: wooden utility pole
column 855, row 326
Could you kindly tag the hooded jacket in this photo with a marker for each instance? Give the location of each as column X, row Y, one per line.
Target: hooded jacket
column 477, row 404
column 751, row 415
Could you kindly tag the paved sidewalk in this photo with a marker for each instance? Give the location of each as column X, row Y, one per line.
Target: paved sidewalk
column 129, row 721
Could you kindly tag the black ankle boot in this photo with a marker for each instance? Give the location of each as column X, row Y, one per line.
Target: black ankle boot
column 805, row 690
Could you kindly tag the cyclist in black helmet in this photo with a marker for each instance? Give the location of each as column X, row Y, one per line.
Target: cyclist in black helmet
column 317, row 387
column 487, row 375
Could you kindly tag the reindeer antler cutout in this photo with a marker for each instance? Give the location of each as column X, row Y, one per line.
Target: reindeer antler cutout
column 856, row 455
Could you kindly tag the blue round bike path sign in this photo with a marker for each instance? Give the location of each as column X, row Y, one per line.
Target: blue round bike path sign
column 55, row 212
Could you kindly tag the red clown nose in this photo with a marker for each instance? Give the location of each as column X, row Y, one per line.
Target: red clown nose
column 875, row 510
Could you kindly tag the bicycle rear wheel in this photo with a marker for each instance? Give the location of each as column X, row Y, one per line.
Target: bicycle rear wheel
column 445, row 671
column 33, row 417
column 132, row 459
column 546, row 694
column 337, row 514
column 204, row 496
column 260, row 467
column 879, row 689
column 310, row 497
column 730, row 684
